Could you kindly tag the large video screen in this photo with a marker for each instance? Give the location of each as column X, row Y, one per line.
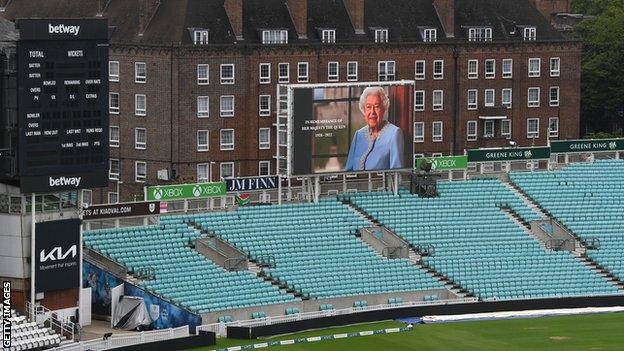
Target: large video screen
column 351, row 128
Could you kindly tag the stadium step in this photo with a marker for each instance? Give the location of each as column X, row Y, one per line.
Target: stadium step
column 526, row 199
column 522, row 224
column 360, row 212
column 601, row 271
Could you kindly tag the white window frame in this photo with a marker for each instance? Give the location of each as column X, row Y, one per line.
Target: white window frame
column 110, row 194
column 140, row 178
column 555, row 71
column 333, row 71
column 533, row 103
column 226, row 80
column 111, row 174
column 206, row 178
column 440, row 106
column 480, row 34
column 489, row 98
column 386, row 70
column 140, row 145
column 113, row 142
column 421, row 106
column 266, row 145
column 532, row 72
column 488, row 129
column 490, row 74
column 351, row 75
column 419, row 126
column 472, row 105
column 223, row 112
column 268, row 167
column 203, row 147
column 201, row 80
column 471, row 135
column 507, row 74
column 473, row 73
column 553, row 133
column 553, row 102
column 420, row 64
column 263, row 112
column 437, row 138
column 140, row 78
column 223, row 146
column 137, row 110
column 438, row 75
column 507, row 104
column 328, row 36
column 200, row 37
column 532, row 135
column 506, row 134
column 113, row 110
column 430, row 35
column 264, row 78
column 301, row 78
column 113, row 77
column 283, row 78
column 529, row 34
column 381, row 35
column 275, row 36
column 221, row 165
column 200, row 112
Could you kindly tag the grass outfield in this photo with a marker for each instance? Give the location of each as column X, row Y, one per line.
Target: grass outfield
column 593, row 332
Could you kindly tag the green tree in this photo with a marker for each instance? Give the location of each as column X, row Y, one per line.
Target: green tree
column 594, row 7
column 602, row 81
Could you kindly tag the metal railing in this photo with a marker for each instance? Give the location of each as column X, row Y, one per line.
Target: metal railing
column 45, row 317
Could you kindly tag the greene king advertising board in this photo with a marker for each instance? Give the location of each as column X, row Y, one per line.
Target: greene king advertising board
column 184, row 191
column 351, row 128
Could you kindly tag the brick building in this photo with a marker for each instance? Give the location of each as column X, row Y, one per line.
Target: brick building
column 193, row 82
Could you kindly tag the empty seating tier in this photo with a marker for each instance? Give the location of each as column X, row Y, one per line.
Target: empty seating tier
column 27, row 335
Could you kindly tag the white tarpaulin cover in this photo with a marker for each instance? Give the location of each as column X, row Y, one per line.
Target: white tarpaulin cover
column 130, row 313
column 519, row 314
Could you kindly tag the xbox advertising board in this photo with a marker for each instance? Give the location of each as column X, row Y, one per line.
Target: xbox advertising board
column 445, row 163
column 184, row 191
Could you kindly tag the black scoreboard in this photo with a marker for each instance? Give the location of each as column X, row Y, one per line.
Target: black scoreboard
column 62, row 68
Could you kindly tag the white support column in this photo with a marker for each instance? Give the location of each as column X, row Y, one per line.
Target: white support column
column 566, row 158
column 344, row 183
column 396, row 183
column 370, row 182
column 186, row 206
column 317, row 189
column 33, row 256
column 279, row 190
column 617, row 155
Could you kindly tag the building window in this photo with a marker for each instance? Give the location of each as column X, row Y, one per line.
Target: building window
column 507, row 68
column 113, row 136
column 264, row 168
column 490, row 69
column 480, row 34
column 419, row 132
column 534, row 97
column 328, row 36
column 202, row 74
column 530, row 33
column 381, row 35
column 264, row 105
column 274, row 37
column 534, row 67
column 113, row 197
column 284, row 74
column 352, row 71
column 203, row 107
column 471, row 131
column 282, row 138
column 113, row 71
column 140, row 138
column 532, row 128
column 227, row 106
column 488, row 129
column 226, row 170
column 438, row 100
column 419, row 100
column 506, row 128
column 113, row 169
column 555, row 66
column 506, row 97
column 140, row 171
column 473, row 101
column 200, row 37
column 430, row 35
column 265, row 73
column 488, row 98
column 113, row 103
column 227, row 74
column 553, row 127
column 554, row 96
column 473, row 69
column 140, row 72
column 302, row 72
column 419, row 70
column 202, row 172
column 140, row 105
column 264, row 138
column 437, row 131
column 386, row 70
column 202, row 140
column 87, row 197
column 438, row 69
column 227, row 139
column 332, row 71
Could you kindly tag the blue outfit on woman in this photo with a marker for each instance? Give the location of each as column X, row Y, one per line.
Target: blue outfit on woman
column 385, row 152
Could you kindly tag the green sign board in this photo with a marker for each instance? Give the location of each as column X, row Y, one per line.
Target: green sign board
column 517, row 154
column 445, row 163
column 589, row 145
column 184, row 191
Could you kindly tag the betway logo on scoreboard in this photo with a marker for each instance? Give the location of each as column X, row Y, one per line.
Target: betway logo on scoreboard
column 64, row 181
column 63, row 29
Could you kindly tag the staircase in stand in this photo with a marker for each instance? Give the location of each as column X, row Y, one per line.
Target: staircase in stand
column 527, row 199
column 601, row 271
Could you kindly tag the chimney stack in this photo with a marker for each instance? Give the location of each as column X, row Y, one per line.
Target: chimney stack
column 234, row 11
column 355, row 9
column 147, row 9
column 446, row 14
column 299, row 14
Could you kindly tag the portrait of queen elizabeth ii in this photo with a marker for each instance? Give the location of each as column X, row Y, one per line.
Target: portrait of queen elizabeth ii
column 379, row 144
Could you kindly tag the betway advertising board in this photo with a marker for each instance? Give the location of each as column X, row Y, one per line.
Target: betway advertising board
column 445, row 163
column 589, row 145
column 184, row 191
column 516, row 154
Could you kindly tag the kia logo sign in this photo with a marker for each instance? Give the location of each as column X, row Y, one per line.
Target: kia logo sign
column 56, row 254
column 57, row 258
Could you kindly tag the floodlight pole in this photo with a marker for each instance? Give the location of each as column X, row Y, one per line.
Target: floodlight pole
column 396, row 183
column 33, row 255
